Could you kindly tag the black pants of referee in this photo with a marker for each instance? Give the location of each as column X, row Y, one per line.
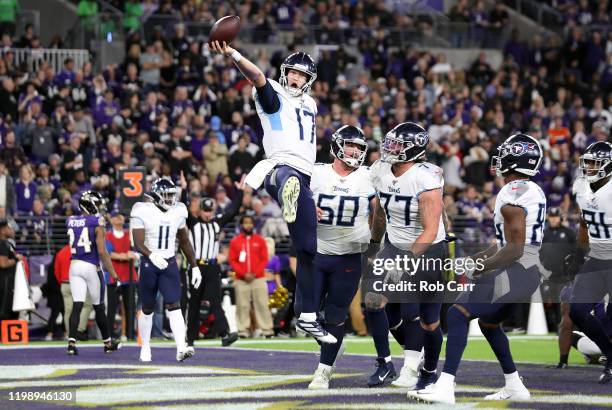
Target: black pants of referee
column 209, row 290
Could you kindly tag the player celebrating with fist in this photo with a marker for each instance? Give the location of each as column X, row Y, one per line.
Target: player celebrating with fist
column 287, row 115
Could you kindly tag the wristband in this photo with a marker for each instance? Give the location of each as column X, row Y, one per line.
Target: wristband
column 236, row 56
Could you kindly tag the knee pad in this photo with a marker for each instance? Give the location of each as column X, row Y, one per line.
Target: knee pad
column 172, row 306
column 335, row 315
column 374, row 301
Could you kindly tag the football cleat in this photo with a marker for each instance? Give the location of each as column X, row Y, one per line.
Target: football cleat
column 385, row 373
column 434, row 393
column 112, row 346
column 315, row 330
column 561, row 365
column 190, row 351
column 425, row 379
column 145, row 353
column 184, row 355
column 606, row 376
column 408, row 378
column 321, row 379
column 72, row 349
column 289, row 198
column 229, row 339
column 516, row 393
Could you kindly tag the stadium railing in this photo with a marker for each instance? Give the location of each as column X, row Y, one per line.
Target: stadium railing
column 35, row 58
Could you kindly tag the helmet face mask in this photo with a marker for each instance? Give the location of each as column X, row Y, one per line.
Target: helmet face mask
column 349, row 146
column 520, row 153
column 596, row 162
column 406, row 142
column 303, row 63
column 164, row 193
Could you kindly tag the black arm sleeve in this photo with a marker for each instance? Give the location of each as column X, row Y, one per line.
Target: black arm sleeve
column 233, row 211
column 268, row 98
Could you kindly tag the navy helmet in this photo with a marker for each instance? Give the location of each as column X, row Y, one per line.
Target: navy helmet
column 354, row 135
column 92, row 203
column 164, row 193
column 303, row 63
column 596, row 162
column 404, row 143
column 519, row 153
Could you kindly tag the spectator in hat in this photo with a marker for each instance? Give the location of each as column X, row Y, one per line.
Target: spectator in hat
column 215, row 156
column 7, row 190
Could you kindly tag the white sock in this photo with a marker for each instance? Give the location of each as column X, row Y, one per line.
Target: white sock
column 387, row 359
column 324, row 367
column 309, row 317
column 513, row 380
column 446, row 381
column 177, row 324
column 145, row 324
column 412, row 359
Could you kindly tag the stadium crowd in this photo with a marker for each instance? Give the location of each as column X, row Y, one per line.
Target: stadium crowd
column 188, row 115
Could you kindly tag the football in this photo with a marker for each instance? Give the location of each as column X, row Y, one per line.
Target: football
column 225, row 29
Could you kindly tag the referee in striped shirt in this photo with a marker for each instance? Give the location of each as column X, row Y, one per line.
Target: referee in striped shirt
column 204, row 236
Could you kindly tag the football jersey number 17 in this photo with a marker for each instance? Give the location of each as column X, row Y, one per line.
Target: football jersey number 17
column 306, row 121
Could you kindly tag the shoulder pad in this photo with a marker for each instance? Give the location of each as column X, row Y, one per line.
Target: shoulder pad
column 579, row 186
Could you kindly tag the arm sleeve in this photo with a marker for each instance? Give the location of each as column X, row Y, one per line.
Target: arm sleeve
column 233, row 211
column 268, row 98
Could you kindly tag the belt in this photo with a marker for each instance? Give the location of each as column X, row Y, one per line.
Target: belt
column 207, row 262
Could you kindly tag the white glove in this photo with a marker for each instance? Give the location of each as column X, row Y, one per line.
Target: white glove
column 158, row 261
column 467, row 264
column 196, row 277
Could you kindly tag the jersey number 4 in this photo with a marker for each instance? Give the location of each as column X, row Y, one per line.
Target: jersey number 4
column 82, row 242
column 341, row 219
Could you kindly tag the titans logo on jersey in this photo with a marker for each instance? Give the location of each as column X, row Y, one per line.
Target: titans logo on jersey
column 289, row 134
column 596, row 209
column 529, row 196
column 345, row 202
column 82, row 237
column 399, row 197
column 160, row 227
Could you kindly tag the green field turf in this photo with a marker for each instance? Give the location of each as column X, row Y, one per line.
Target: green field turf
column 524, row 348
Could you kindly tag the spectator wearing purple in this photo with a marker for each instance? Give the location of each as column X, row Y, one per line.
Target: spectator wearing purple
column 237, row 128
column 150, row 110
column 36, row 224
column 594, row 56
column 198, row 141
column 181, row 103
column 106, row 110
column 27, row 98
column 186, row 74
column 25, row 190
column 67, row 75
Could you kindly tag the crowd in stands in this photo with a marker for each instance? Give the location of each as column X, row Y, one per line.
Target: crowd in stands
column 583, row 12
column 172, row 107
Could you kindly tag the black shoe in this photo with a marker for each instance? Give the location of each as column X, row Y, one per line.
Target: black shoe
column 229, row 339
column 606, row 376
column 385, row 373
column 561, row 366
column 425, row 379
column 112, row 346
column 72, row 349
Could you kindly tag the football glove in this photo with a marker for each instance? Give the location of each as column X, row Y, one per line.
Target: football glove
column 158, row 260
column 196, row 277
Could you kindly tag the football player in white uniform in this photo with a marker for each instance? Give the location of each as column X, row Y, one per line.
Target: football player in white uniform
column 344, row 196
column 410, row 209
column 505, row 274
column 287, row 114
column 593, row 191
column 155, row 227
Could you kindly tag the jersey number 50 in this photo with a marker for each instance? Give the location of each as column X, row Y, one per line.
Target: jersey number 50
column 341, row 219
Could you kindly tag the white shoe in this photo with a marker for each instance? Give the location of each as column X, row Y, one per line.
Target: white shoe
column 517, row 393
column 408, row 378
column 289, row 198
column 145, row 353
column 434, row 393
column 321, row 379
column 182, row 355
